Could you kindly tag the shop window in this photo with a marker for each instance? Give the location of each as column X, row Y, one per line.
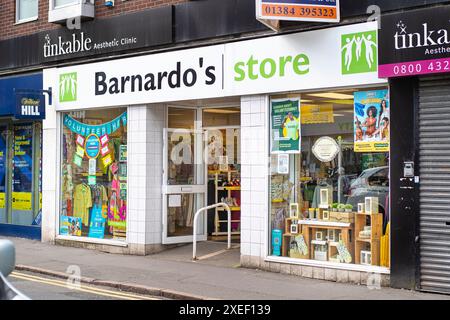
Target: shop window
column 94, row 174
column 26, row 10
column 330, row 177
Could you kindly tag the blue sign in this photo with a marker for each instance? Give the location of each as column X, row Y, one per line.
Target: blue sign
column 30, row 106
column 10, row 85
column 92, row 146
column 97, row 223
column 277, row 241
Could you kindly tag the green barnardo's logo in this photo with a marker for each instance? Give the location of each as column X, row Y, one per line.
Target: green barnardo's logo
column 68, row 87
column 359, row 52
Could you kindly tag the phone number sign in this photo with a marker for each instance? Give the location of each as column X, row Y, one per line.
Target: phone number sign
column 299, row 10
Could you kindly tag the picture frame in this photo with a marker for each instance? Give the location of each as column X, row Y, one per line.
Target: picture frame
column 361, row 208
column 331, row 235
column 294, row 228
column 340, row 238
column 319, row 236
column 324, row 198
column 293, row 211
column 371, row 205
column 326, row 215
column 366, row 258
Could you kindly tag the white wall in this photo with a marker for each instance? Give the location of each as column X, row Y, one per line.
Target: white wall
column 255, row 175
column 50, row 170
column 145, row 145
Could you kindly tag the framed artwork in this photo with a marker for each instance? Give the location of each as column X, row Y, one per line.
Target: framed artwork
column 361, row 208
column 319, row 235
column 326, row 215
column 324, row 198
column 293, row 211
column 294, row 228
column 371, row 205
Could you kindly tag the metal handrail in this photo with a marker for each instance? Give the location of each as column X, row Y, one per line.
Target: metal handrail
column 197, row 214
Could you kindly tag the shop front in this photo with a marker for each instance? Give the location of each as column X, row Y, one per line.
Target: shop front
column 291, row 131
column 415, row 57
column 22, row 111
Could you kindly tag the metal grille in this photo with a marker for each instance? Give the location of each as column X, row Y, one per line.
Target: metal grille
column 434, row 123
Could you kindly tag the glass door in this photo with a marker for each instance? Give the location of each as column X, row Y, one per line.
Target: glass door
column 184, row 188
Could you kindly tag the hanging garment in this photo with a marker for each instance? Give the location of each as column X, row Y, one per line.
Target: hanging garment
column 82, row 203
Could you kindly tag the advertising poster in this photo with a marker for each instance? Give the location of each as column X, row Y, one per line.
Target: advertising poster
column 372, row 120
column 317, row 114
column 70, row 226
column 3, row 132
column 22, row 167
column 97, row 223
column 286, row 126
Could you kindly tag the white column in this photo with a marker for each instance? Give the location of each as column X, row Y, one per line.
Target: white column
column 145, row 144
column 255, row 176
column 50, row 170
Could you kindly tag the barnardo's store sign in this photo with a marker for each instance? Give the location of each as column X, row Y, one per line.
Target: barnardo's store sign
column 335, row 57
column 415, row 43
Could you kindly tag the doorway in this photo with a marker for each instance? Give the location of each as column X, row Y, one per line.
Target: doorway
column 201, row 167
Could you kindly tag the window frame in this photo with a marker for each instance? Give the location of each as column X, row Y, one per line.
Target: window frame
column 25, row 20
column 54, row 6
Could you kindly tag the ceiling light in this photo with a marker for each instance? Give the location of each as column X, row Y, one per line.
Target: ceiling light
column 332, row 95
column 222, row 111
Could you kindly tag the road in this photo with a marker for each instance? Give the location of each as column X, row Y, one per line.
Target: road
column 39, row 287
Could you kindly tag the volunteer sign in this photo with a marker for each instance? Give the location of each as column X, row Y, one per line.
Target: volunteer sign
column 299, row 10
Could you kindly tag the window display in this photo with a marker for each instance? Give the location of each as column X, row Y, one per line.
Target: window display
column 329, row 185
column 94, row 174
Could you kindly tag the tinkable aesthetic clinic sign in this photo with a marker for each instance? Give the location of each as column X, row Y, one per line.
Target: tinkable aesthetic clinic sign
column 415, row 43
column 122, row 33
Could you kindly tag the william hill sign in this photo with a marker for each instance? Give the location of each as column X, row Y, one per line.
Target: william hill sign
column 30, row 106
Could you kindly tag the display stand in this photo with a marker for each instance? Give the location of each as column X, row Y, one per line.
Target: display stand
column 308, row 229
column 371, row 244
column 221, row 219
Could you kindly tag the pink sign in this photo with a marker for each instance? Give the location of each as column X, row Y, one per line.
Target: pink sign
column 408, row 69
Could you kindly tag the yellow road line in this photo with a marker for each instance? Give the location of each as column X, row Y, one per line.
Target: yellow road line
column 87, row 289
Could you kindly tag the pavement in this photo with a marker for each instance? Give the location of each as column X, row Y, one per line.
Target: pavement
column 172, row 274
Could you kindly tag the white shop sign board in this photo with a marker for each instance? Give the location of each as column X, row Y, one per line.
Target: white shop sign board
column 297, row 62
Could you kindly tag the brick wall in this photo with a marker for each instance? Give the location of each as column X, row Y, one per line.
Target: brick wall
column 8, row 28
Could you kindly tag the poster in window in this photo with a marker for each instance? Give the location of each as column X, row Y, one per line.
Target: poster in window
column 22, row 181
column 372, row 121
column 286, row 126
column 3, row 135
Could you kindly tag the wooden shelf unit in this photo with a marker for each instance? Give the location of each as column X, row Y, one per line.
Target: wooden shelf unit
column 218, row 221
column 307, row 228
column 373, row 243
